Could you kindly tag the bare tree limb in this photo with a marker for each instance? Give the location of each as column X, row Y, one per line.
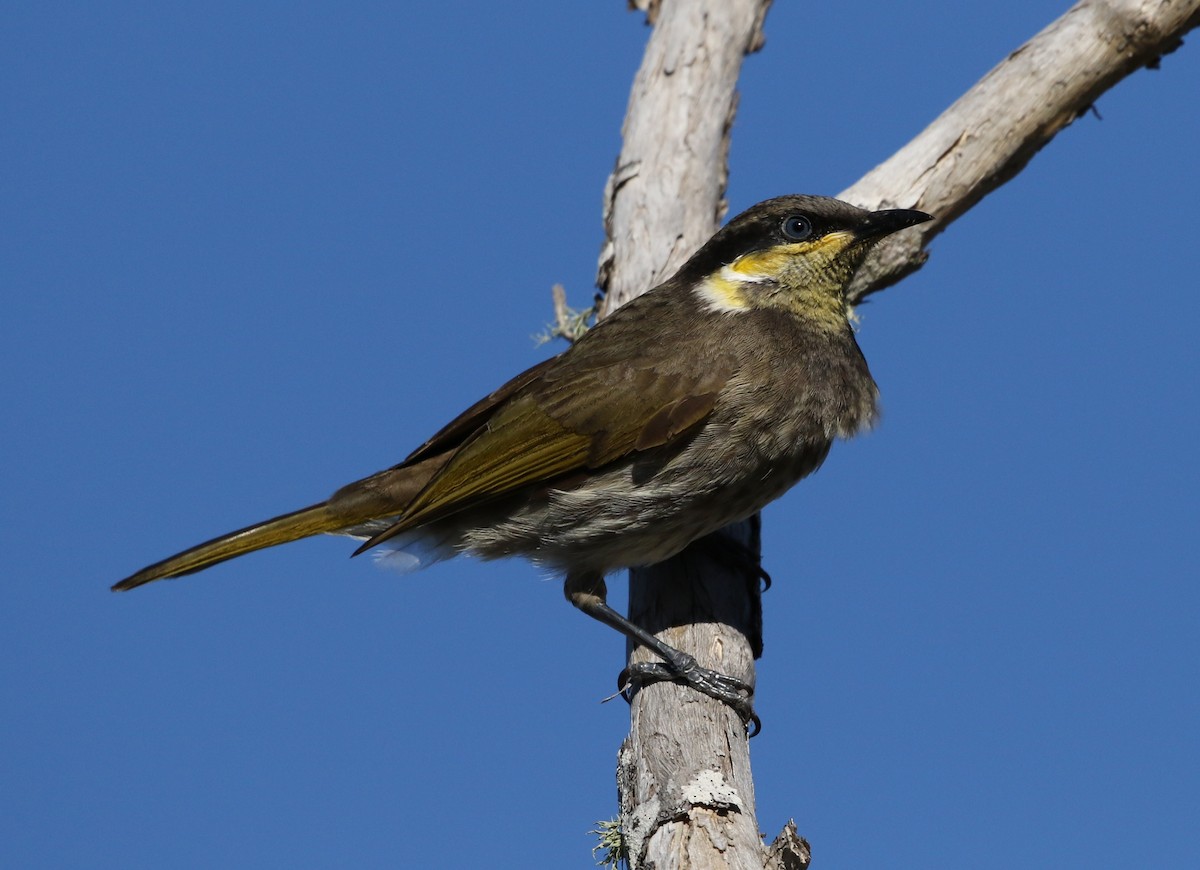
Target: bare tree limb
column 687, row 798
column 666, row 195
column 686, row 791
column 988, row 135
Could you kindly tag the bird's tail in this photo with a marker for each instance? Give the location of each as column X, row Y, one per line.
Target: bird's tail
column 299, row 524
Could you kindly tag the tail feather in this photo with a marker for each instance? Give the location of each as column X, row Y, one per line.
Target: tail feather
column 304, row 523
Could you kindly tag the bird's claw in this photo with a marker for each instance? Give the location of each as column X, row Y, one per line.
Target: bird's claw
column 686, row 670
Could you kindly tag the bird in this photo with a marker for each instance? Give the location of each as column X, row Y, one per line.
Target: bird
column 690, row 407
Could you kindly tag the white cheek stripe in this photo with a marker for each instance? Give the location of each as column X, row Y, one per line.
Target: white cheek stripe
column 719, row 292
column 730, row 274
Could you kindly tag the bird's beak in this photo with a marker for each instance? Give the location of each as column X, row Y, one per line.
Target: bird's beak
column 884, row 223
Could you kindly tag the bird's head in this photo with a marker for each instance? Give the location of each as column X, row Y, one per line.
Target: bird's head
column 792, row 252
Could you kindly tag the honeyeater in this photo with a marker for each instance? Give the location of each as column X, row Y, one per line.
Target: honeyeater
column 689, row 408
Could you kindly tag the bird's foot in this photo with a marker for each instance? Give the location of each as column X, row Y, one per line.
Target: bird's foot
column 683, row 668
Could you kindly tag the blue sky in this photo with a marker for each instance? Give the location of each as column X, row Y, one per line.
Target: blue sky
column 254, row 251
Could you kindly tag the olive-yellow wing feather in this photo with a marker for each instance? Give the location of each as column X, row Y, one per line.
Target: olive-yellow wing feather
column 579, row 415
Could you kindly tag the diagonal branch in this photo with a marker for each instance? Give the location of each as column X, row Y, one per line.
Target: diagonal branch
column 988, row 135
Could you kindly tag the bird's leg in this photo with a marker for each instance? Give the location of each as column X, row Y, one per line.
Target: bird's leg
column 588, row 592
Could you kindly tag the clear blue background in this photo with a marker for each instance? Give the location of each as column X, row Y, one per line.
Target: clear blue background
column 253, row 251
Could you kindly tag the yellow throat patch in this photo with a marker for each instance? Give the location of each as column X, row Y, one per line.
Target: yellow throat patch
column 729, row 288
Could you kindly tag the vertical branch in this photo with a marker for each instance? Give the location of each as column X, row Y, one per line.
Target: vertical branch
column 666, row 195
column 686, row 792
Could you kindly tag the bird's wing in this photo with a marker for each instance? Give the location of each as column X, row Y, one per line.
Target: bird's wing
column 465, row 424
column 580, row 414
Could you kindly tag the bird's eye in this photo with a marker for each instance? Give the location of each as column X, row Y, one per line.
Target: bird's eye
column 797, row 227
